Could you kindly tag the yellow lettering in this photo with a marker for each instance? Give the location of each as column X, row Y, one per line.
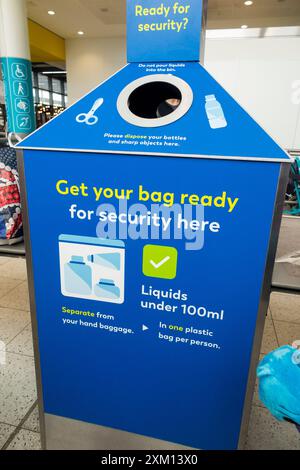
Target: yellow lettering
column 58, row 187
column 138, row 10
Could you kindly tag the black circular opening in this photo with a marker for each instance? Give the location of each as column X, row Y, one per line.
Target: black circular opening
column 154, row 100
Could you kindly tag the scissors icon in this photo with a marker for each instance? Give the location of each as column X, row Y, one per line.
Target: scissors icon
column 89, row 118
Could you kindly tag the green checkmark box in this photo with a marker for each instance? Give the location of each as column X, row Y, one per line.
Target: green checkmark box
column 160, row 261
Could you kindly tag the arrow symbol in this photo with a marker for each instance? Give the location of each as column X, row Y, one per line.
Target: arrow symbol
column 145, row 328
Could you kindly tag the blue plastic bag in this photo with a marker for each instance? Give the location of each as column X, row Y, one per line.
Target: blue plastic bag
column 279, row 383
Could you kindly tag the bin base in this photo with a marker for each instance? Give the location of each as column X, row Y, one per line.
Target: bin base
column 70, row 434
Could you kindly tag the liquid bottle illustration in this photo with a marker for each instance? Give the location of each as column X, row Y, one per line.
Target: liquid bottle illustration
column 214, row 112
column 92, row 268
column 109, row 260
column 107, row 289
column 78, row 276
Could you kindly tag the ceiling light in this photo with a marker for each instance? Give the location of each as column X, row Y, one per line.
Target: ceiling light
column 244, row 26
column 248, row 3
column 55, row 72
column 81, row 33
column 51, row 12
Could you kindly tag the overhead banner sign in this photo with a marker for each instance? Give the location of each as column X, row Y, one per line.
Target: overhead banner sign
column 164, row 30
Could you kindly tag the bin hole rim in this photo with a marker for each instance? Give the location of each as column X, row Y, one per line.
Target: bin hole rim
column 183, row 108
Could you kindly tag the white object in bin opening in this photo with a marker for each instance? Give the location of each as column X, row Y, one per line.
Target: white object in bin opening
column 215, row 113
column 172, row 104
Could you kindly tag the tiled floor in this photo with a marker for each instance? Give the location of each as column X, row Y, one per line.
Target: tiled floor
column 19, row 428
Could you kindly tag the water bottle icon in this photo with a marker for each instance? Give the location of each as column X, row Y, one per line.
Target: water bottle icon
column 214, row 112
column 78, row 276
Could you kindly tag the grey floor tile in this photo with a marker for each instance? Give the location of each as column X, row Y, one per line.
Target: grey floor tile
column 287, row 332
column 269, row 338
column 17, row 388
column 22, row 343
column 25, row 440
column 3, row 260
column 285, row 307
column 7, row 285
column 16, row 298
column 266, row 433
column 14, row 269
column 12, row 322
column 5, row 432
column 32, row 423
column 269, row 314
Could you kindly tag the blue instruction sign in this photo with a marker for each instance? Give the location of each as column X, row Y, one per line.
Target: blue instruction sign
column 164, row 30
column 149, row 278
column 153, row 334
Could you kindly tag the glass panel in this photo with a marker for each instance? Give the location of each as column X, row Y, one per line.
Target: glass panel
column 35, row 95
column 44, row 97
column 56, row 85
column 65, row 88
column 43, row 81
column 57, row 99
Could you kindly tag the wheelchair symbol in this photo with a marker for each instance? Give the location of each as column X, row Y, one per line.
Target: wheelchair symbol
column 19, row 71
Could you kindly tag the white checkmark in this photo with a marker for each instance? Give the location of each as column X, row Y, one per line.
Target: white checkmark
column 158, row 265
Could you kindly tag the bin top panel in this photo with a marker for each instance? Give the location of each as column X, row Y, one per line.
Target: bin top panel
column 159, row 31
column 170, row 109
